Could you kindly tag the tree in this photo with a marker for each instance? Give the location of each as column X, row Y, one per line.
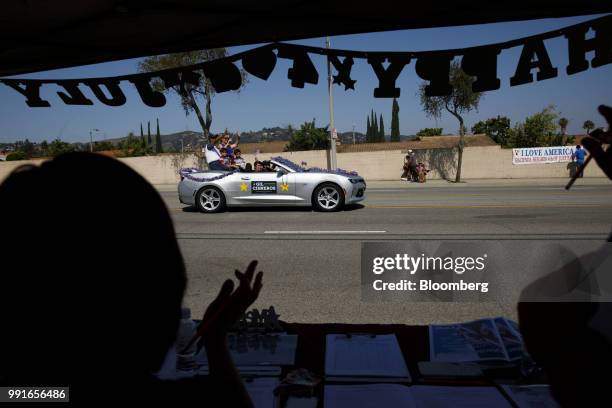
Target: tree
column 158, row 141
column 381, row 131
column 588, row 125
column 375, row 131
column 26, row 147
column 497, row 129
column 395, row 133
column 563, row 122
column 149, row 140
column 142, row 138
column 131, row 146
column 58, row 147
column 102, row 146
column 461, row 100
column 192, row 94
column 44, row 146
column 368, row 131
column 308, row 137
column 430, row 132
column 539, row 130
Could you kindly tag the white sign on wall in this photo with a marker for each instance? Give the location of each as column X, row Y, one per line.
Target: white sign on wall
column 539, row 155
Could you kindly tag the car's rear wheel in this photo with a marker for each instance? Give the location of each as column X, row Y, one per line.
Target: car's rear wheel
column 210, row 200
column 328, row 197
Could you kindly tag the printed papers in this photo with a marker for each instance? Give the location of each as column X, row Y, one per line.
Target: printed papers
column 368, row 396
column 400, row 396
column 458, row 397
column 364, row 356
column 512, row 339
column 476, row 341
column 531, row 396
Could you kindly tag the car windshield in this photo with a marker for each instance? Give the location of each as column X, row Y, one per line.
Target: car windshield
column 289, row 164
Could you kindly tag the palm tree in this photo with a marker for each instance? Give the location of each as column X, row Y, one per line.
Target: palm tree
column 588, row 125
column 563, row 122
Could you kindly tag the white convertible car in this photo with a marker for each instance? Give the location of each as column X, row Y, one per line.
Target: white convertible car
column 286, row 184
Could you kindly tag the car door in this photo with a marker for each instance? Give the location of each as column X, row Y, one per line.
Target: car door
column 265, row 188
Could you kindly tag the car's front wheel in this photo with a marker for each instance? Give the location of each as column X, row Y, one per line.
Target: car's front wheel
column 210, row 200
column 328, row 197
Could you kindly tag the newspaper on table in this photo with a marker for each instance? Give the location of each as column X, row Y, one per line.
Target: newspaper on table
column 484, row 340
column 531, row 396
column 364, row 357
column 418, row 396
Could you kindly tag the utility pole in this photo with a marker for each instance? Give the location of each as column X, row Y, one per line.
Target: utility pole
column 91, row 139
column 353, row 133
column 332, row 130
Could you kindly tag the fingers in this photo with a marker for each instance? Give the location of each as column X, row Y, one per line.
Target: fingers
column 257, row 285
column 245, row 279
column 601, row 136
column 606, row 111
column 252, row 296
column 593, row 145
column 251, row 270
column 226, row 291
column 245, row 291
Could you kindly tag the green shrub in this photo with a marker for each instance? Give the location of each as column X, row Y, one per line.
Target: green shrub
column 430, row 132
column 16, row 156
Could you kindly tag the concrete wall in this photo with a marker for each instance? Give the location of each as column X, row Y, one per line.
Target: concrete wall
column 161, row 169
column 484, row 162
column 156, row 169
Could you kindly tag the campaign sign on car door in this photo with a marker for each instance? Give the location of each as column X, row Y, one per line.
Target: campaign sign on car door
column 263, row 187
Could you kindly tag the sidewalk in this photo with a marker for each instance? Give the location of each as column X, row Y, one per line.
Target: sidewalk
column 552, row 182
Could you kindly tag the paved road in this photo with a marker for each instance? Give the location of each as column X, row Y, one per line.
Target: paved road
column 312, row 260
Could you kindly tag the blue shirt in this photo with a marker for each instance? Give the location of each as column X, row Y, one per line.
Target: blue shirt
column 579, row 154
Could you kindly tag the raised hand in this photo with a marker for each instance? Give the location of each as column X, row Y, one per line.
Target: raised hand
column 598, row 137
column 230, row 304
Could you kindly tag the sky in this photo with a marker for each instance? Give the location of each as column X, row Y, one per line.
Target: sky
column 275, row 103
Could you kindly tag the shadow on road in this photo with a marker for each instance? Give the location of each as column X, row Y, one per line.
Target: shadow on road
column 190, row 209
column 351, row 207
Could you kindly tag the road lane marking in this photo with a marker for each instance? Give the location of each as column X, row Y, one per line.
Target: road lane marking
column 398, row 236
column 435, row 206
column 324, row 232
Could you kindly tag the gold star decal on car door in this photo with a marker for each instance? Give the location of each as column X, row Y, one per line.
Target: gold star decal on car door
column 244, row 187
column 284, row 187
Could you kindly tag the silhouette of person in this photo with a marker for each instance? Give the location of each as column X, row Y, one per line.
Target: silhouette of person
column 572, row 341
column 573, row 168
column 92, row 283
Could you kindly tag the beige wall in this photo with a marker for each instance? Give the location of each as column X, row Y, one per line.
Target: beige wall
column 485, row 162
